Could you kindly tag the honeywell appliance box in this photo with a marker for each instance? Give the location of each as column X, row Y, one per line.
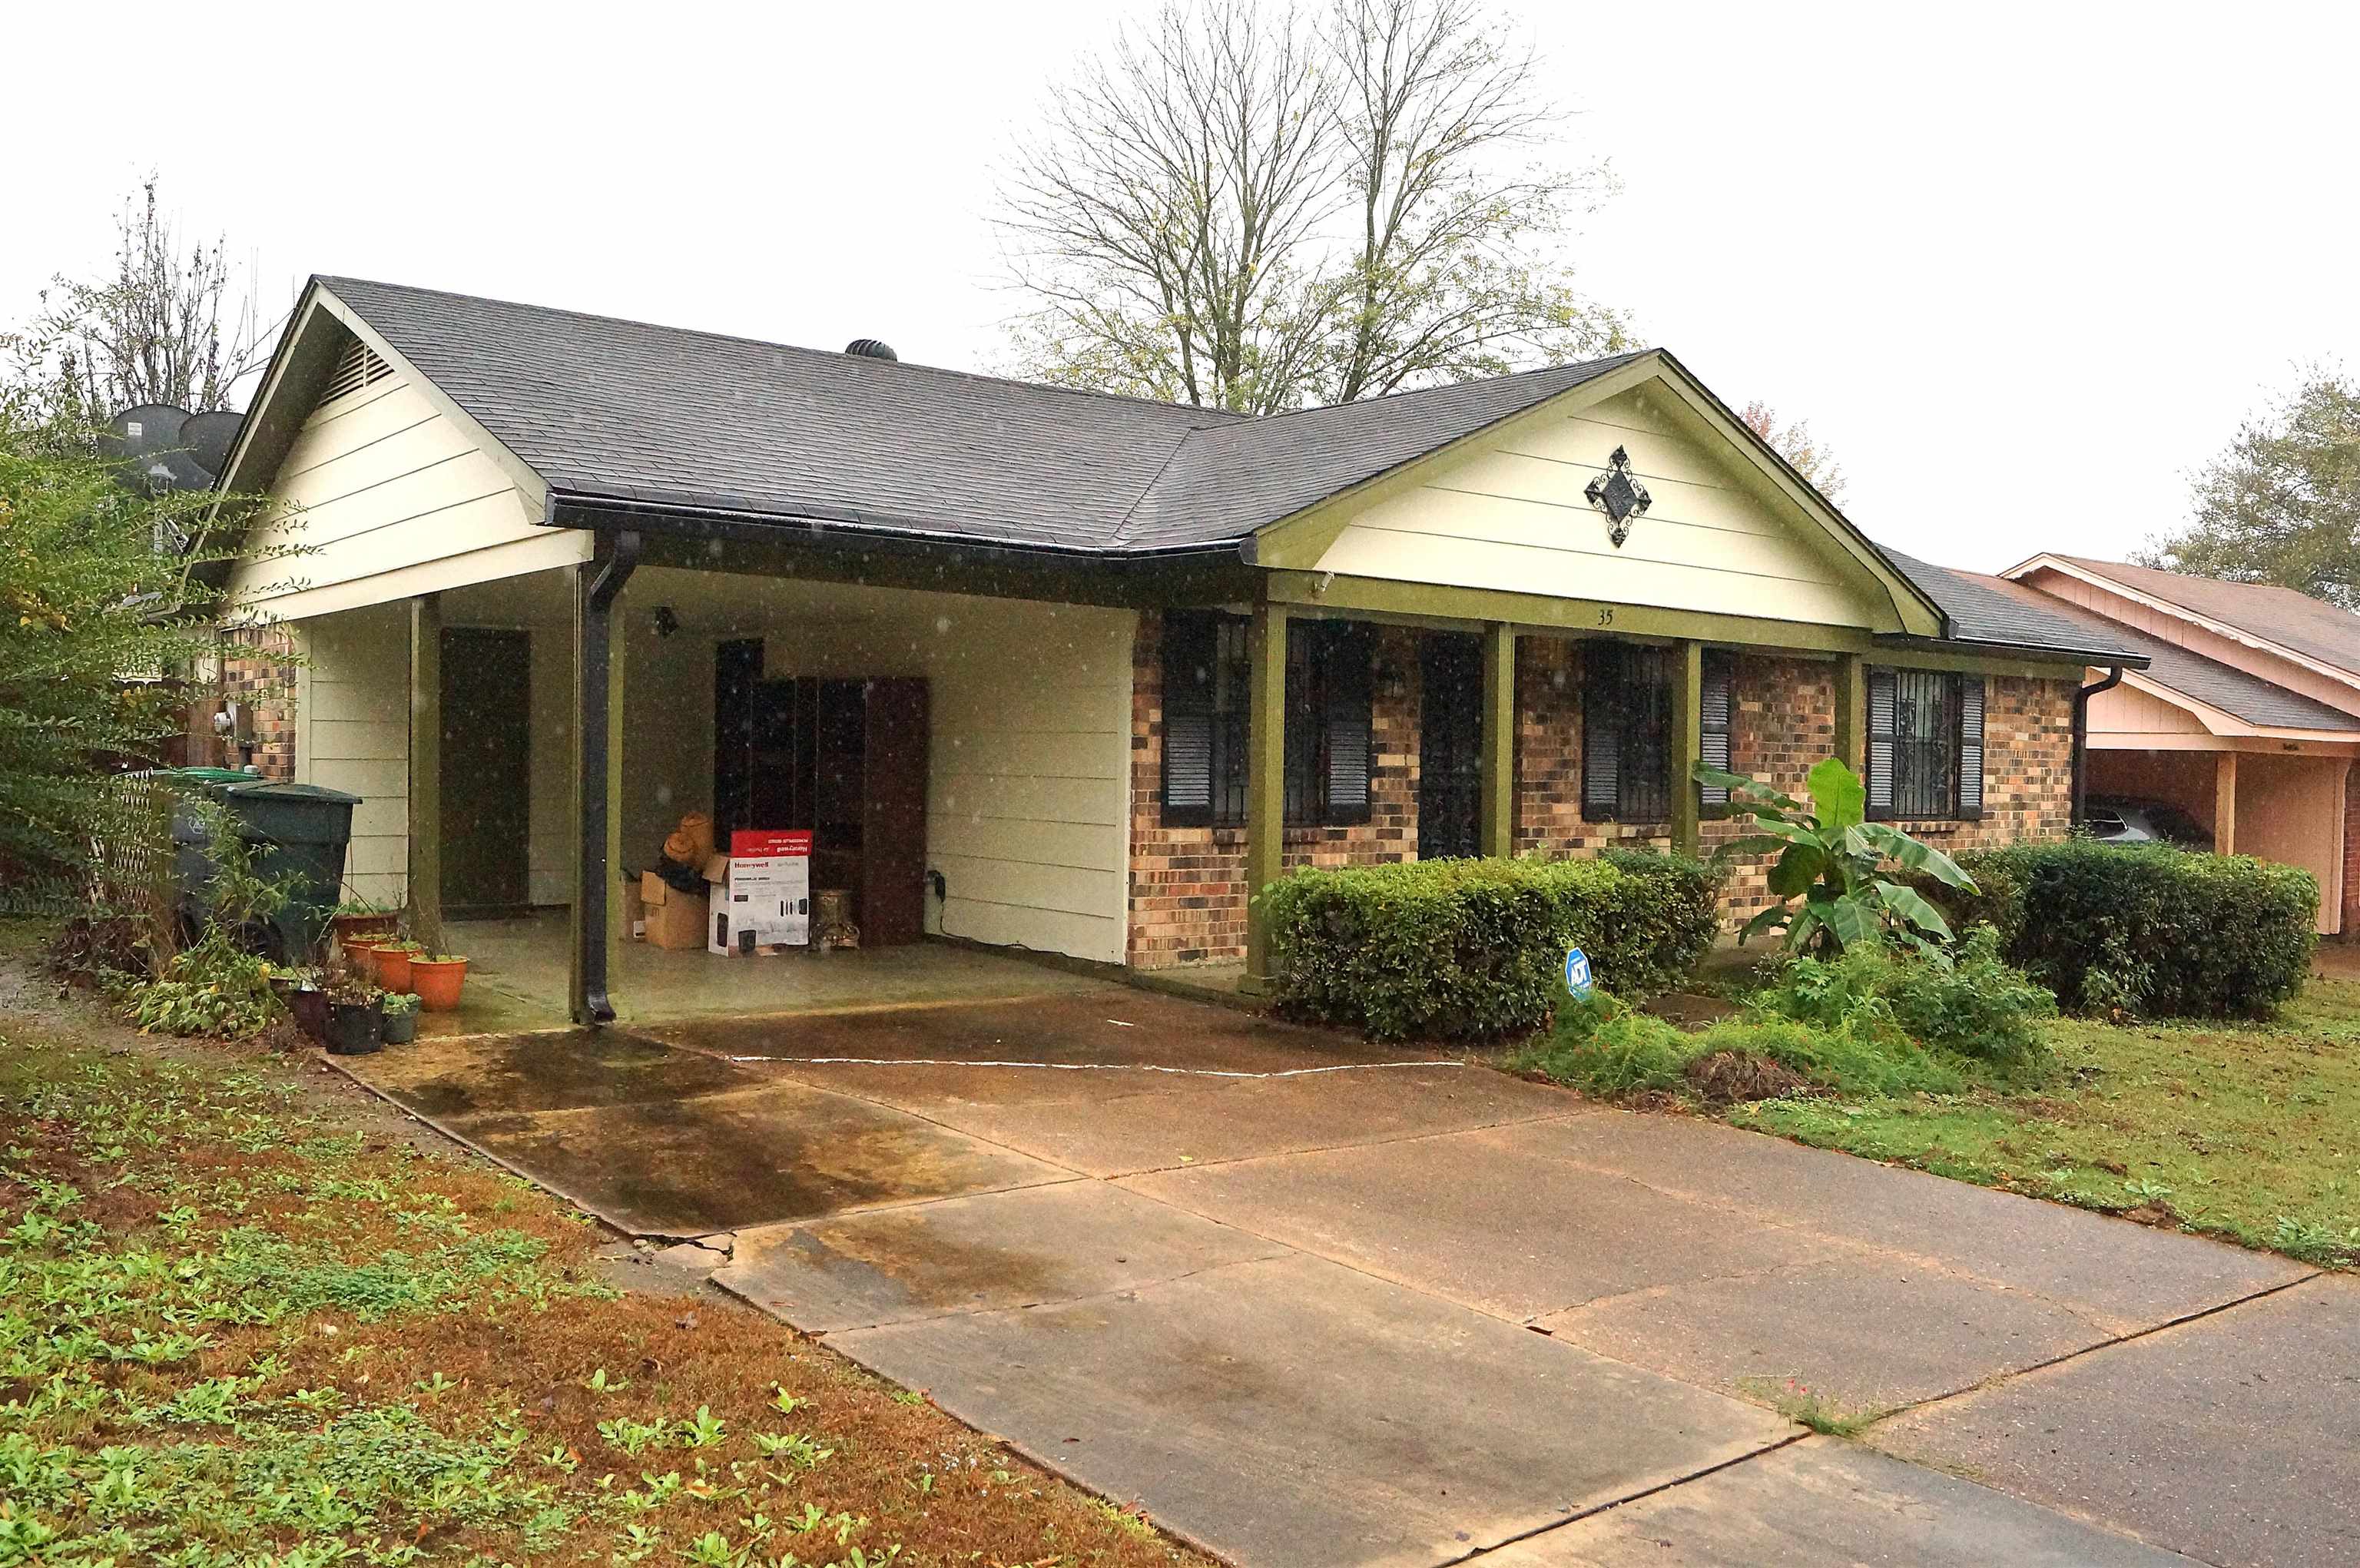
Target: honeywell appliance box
column 762, row 899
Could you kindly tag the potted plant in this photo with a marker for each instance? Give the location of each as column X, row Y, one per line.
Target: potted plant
column 437, row 978
column 355, row 1016
column 400, row 1019
column 310, row 1005
column 359, row 918
column 389, row 965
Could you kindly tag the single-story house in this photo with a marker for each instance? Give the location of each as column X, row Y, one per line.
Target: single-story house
column 1052, row 669
column 2246, row 717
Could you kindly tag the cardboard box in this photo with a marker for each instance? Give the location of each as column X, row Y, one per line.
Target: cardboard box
column 675, row 919
column 762, row 897
column 635, row 908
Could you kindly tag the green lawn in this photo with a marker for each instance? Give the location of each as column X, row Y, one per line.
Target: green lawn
column 242, row 1323
column 2249, row 1132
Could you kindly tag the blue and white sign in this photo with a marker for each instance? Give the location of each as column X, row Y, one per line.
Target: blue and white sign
column 1576, row 971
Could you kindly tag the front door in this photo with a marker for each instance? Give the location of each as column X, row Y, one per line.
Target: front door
column 487, row 769
column 1450, row 746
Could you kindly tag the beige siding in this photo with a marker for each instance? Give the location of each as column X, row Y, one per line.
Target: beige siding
column 2290, row 809
column 1513, row 517
column 2127, row 716
column 1029, row 767
column 353, row 734
column 390, row 496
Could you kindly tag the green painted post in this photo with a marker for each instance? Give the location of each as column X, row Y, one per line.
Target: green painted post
column 425, row 858
column 1687, row 744
column 1851, row 711
column 1266, row 780
column 1496, row 828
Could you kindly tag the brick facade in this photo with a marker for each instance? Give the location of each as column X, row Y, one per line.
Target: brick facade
column 1187, row 885
column 262, row 677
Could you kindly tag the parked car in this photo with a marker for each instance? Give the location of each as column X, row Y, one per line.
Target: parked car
column 2124, row 819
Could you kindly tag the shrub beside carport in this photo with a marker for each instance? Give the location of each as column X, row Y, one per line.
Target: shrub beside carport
column 1475, row 950
column 2146, row 930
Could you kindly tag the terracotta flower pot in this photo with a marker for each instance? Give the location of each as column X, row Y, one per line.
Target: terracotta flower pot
column 349, row 927
column 361, row 952
column 392, row 966
column 438, row 984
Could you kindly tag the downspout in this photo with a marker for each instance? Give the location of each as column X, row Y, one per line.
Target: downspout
column 2082, row 740
column 596, row 652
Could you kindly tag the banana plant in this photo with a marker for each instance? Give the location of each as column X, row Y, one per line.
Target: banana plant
column 1831, row 876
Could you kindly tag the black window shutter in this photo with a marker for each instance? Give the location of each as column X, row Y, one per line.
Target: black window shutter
column 1189, row 650
column 1344, row 677
column 1713, row 724
column 1971, row 745
column 1880, row 742
column 1603, row 697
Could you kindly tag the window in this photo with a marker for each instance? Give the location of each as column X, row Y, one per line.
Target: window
column 1626, row 724
column 1713, row 725
column 1206, row 672
column 1924, row 744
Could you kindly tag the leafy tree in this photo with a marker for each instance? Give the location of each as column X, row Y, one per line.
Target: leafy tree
column 1253, row 209
column 100, row 602
column 1808, row 455
column 1831, row 875
column 2281, row 503
column 161, row 328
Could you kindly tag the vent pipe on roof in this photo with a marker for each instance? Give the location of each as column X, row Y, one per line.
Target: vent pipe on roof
column 871, row 348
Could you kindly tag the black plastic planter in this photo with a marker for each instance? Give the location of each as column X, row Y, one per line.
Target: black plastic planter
column 310, row 1005
column 401, row 1028
column 355, row 1028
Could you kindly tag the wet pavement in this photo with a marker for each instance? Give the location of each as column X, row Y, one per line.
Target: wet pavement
column 1314, row 1303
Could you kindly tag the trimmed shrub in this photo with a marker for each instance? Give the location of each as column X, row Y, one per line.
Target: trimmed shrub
column 1978, row 1004
column 1475, row 950
column 2146, row 930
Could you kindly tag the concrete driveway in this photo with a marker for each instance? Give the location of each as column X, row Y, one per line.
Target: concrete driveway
column 1315, row 1303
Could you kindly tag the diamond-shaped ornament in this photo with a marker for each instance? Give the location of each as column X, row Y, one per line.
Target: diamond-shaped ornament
column 1619, row 496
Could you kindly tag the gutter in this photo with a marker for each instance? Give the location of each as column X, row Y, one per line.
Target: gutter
column 698, row 519
column 2087, row 657
column 2081, row 697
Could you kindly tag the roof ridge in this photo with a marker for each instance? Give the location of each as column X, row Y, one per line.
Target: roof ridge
column 1123, row 523
column 1222, row 415
column 1591, row 365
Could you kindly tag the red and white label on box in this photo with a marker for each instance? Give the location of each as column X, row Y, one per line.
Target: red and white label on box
column 763, row 898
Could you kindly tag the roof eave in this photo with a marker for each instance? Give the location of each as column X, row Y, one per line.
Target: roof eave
column 2099, row 658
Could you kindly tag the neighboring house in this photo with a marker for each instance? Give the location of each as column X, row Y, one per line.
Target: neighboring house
column 1066, row 671
column 2246, row 718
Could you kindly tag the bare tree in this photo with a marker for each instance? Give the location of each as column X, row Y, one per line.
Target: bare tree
column 1805, row 453
column 164, row 328
column 1254, row 210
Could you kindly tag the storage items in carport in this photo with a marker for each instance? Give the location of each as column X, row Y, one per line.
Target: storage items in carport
column 761, row 900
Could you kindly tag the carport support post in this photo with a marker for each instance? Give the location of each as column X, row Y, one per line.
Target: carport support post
column 425, row 867
column 1265, row 782
column 597, row 771
column 2224, row 803
column 1687, row 744
column 1851, row 711
column 1496, row 828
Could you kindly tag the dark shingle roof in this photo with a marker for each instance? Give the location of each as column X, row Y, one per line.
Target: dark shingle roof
column 2224, row 686
column 629, row 410
column 1985, row 610
column 2283, row 616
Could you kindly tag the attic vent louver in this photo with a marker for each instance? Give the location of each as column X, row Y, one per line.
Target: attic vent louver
column 359, row 366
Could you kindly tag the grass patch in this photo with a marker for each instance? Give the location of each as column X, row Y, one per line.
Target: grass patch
column 1810, row 1408
column 237, row 1327
column 2250, row 1133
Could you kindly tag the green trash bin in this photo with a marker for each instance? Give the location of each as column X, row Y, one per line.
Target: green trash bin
column 295, row 829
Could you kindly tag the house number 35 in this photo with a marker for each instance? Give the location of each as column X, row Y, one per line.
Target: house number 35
column 1606, row 615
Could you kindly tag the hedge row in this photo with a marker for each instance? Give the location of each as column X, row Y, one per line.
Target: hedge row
column 1475, row 948
column 2146, row 930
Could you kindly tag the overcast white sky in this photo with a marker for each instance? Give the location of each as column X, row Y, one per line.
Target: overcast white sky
column 2021, row 266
